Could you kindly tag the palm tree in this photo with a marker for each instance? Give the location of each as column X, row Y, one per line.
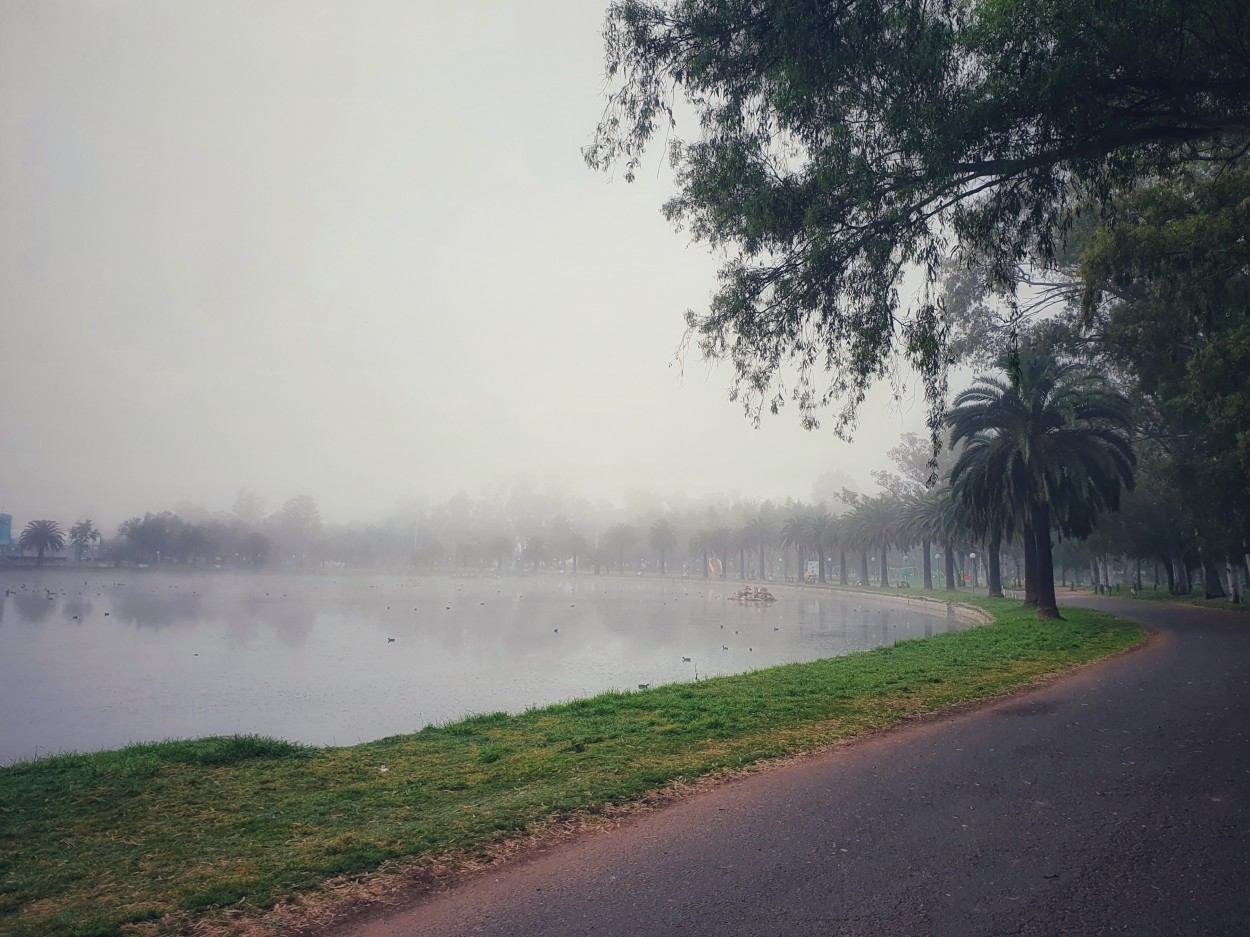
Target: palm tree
column 663, row 538
column 1049, row 446
column 989, row 514
column 761, row 533
column 794, row 535
column 821, row 527
column 574, row 545
column 703, row 543
column 722, row 542
column 42, row 536
column 921, row 522
column 874, row 525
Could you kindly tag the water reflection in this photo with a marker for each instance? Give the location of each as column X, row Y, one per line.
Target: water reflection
column 336, row 660
column 34, row 607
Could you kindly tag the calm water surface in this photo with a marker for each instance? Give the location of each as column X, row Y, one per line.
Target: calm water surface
column 97, row 660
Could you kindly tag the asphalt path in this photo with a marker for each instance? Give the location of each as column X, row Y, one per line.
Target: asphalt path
column 1111, row 801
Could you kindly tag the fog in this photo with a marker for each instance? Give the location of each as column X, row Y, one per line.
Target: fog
column 351, row 251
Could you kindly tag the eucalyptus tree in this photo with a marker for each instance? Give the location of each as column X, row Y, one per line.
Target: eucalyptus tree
column 42, row 536
column 620, row 538
column 83, row 535
column 500, row 546
column 1048, row 444
column 663, row 539
column 536, row 551
column 842, row 143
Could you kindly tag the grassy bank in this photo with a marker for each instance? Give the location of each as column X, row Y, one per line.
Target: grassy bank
column 1162, row 596
column 160, row 835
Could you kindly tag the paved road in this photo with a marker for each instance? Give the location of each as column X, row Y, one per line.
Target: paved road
column 1114, row 801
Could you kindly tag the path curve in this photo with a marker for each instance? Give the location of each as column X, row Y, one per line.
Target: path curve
column 1113, row 801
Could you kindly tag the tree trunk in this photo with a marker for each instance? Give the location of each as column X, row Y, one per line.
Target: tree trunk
column 662, row 569
column 993, row 568
column 863, row 562
column 802, row 566
column 1184, row 584
column 948, row 552
column 1211, row 588
column 763, row 575
column 928, row 564
column 842, row 577
column 820, row 563
column 1030, row 566
column 885, row 567
column 742, row 562
column 1047, row 603
column 1093, row 575
column 1234, row 583
column 705, row 567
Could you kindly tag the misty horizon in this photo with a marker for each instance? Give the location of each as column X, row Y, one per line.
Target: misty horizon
column 362, row 260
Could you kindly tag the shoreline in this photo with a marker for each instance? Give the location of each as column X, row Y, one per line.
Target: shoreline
column 226, row 834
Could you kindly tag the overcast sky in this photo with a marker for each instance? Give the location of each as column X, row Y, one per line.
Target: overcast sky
column 350, row 250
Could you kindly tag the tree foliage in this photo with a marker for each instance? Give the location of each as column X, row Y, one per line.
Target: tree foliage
column 1047, row 447
column 42, row 536
column 840, row 143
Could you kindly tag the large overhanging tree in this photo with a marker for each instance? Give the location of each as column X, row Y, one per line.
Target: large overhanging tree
column 840, row 143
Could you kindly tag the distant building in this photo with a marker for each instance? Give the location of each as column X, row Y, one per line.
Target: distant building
column 6, row 533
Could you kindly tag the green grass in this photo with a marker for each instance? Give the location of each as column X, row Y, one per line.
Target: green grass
column 1161, row 596
column 164, row 834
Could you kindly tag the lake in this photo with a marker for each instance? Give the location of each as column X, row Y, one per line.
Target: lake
column 96, row 659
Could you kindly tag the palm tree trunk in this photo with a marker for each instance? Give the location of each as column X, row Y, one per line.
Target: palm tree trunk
column 1047, row 603
column 928, row 564
column 705, row 566
column 885, row 566
column 863, row 562
column 763, row 576
column 993, row 569
column 820, row 563
column 842, row 578
column 948, row 552
column 742, row 562
column 1030, row 566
